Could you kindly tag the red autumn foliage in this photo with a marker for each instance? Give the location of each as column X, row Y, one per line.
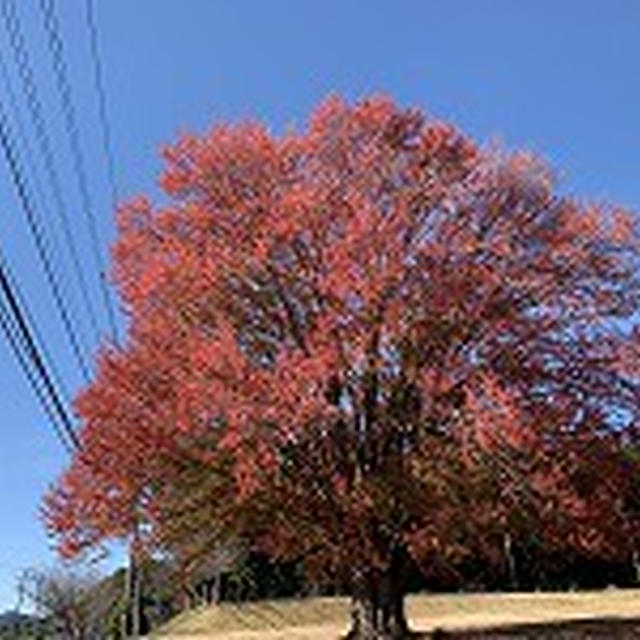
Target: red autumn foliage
column 367, row 335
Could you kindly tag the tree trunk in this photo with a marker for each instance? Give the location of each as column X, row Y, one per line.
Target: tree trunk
column 216, row 588
column 131, row 618
column 511, row 562
column 378, row 603
column 373, row 619
column 188, row 599
column 136, row 604
column 124, row 618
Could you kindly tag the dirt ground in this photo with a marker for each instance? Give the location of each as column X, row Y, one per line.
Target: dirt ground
column 565, row 616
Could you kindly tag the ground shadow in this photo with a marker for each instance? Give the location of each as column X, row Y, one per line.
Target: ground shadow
column 596, row 628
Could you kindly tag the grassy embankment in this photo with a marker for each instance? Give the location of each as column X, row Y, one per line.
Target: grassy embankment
column 327, row 618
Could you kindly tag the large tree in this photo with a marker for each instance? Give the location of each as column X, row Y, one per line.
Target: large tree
column 365, row 341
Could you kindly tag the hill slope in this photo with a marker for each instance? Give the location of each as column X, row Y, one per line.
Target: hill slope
column 327, row 618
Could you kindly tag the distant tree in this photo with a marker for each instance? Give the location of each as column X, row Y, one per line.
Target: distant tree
column 17, row 626
column 377, row 341
column 63, row 598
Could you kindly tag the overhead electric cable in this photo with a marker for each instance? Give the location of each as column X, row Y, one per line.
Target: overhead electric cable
column 23, row 141
column 39, row 239
column 17, row 347
column 102, row 103
column 40, row 202
column 40, row 342
column 33, row 353
column 21, row 58
column 56, row 47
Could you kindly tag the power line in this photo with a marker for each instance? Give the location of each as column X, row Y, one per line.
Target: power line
column 21, row 58
column 17, row 347
column 56, row 48
column 23, row 141
column 39, row 193
column 48, row 359
column 33, row 354
column 102, row 103
column 10, row 333
column 40, row 240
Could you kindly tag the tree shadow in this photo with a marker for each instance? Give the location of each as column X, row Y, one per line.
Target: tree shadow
column 592, row 628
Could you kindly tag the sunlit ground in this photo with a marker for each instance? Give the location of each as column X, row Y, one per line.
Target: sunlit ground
column 327, row 618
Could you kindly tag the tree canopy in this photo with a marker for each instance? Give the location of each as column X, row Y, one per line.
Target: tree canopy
column 366, row 339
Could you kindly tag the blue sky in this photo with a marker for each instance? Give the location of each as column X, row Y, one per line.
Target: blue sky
column 560, row 77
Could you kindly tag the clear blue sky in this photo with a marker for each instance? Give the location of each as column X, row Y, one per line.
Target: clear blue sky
column 560, row 77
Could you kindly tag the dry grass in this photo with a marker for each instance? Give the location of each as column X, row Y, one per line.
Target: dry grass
column 327, row 618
